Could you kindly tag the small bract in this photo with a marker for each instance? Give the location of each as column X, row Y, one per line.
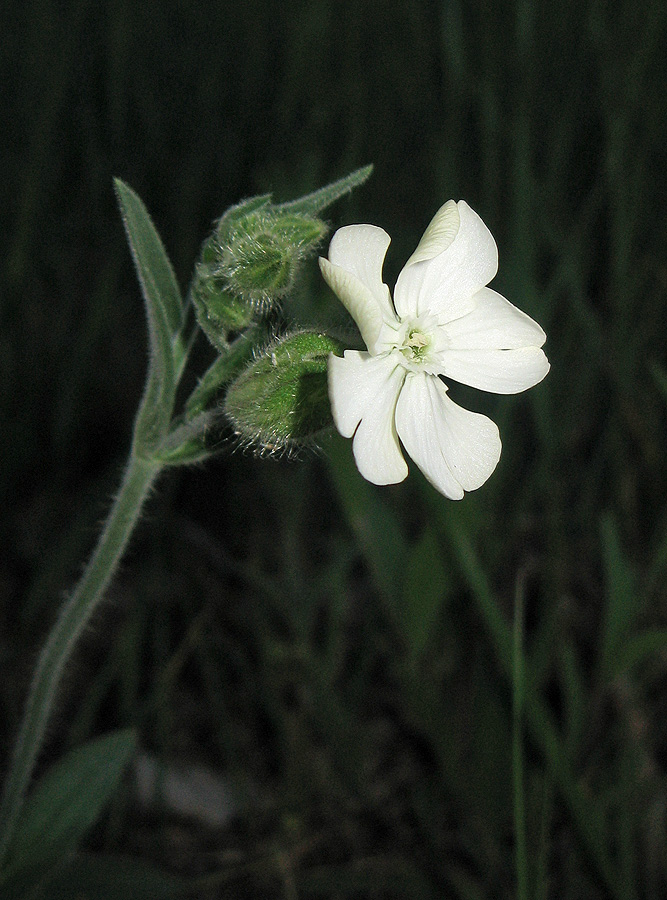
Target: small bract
column 443, row 322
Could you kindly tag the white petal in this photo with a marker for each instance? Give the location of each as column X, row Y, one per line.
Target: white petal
column 357, row 300
column 355, row 379
column 441, row 231
column 354, row 273
column 416, row 425
column 363, row 392
column 499, row 371
column 444, row 284
column 360, row 250
column 456, row 449
column 494, row 324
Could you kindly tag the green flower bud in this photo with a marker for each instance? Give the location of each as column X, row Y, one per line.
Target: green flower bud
column 219, row 313
column 250, row 261
column 281, row 400
column 261, row 255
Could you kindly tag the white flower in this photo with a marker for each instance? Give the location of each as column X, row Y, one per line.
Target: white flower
column 443, row 321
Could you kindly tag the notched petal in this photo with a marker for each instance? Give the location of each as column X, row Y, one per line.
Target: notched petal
column 355, row 379
column 357, row 299
column 470, row 441
column 457, row 450
column 363, row 391
column 360, row 250
column 444, row 285
column 419, row 436
column 377, row 451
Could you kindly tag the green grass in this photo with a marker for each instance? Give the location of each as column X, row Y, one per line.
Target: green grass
column 343, row 653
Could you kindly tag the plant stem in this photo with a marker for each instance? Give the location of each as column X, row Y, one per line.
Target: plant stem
column 521, row 856
column 75, row 615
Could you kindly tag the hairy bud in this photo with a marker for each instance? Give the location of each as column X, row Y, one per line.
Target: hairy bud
column 250, row 261
column 281, row 400
column 260, row 259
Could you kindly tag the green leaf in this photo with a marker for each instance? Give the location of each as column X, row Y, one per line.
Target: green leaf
column 314, row 203
column 100, row 877
column 155, row 272
column 425, row 589
column 67, row 801
column 164, row 306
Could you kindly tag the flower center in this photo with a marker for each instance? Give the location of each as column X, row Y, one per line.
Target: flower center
column 416, row 342
column 416, row 345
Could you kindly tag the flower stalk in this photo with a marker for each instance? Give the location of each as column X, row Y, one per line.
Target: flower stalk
column 138, row 480
column 251, row 259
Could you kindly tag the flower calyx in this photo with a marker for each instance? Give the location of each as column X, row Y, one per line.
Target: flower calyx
column 280, row 401
column 250, row 262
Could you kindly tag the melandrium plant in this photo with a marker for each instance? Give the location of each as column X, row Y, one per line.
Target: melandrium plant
column 276, row 389
column 276, row 398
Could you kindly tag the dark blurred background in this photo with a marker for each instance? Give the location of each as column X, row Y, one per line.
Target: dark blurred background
column 333, row 651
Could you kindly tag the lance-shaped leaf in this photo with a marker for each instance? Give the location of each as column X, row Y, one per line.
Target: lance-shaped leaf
column 163, row 301
column 314, row 203
column 67, row 801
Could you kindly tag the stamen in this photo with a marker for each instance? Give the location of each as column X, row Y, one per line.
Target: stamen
column 415, row 343
column 417, row 340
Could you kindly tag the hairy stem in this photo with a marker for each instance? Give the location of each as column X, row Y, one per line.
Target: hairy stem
column 75, row 615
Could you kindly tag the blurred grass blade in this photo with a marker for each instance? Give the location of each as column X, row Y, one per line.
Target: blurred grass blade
column 542, row 858
column 660, row 377
column 575, row 710
column 637, row 648
column 518, row 778
column 425, row 590
column 374, row 524
column 381, row 876
column 314, row 203
column 67, row 801
column 585, row 814
column 622, row 601
column 457, row 532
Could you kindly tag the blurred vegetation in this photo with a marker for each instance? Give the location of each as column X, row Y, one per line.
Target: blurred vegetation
column 341, row 654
